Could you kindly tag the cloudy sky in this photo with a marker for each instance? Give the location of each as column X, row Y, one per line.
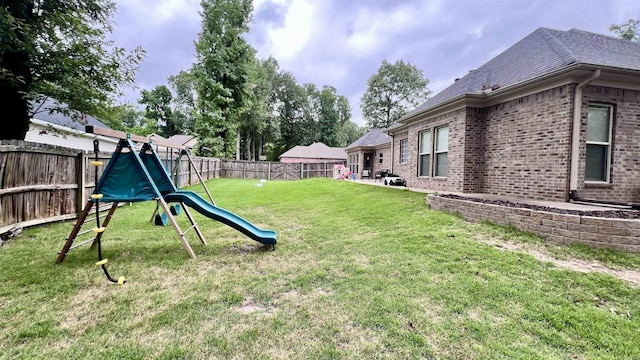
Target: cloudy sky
column 343, row 42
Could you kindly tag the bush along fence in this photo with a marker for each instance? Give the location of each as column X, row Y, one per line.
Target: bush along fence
column 42, row 183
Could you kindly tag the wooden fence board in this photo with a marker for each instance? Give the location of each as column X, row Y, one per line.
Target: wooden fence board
column 42, row 183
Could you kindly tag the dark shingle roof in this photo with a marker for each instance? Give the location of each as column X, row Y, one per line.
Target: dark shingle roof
column 374, row 137
column 315, row 151
column 44, row 113
column 541, row 52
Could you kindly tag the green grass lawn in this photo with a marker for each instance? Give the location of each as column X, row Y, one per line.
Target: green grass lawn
column 359, row 272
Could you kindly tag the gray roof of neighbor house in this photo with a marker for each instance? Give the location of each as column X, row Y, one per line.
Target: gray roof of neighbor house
column 44, row 112
column 374, row 137
column 315, row 151
column 180, row 139
column 540, row 53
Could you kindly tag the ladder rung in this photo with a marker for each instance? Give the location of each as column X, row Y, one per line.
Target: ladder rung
column 97, row 163
column 98, row 229
column 81, row 243
column 96, row 196
column 84, row 232
column 189, row 229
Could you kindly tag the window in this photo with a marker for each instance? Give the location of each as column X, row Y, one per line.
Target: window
column 442, row 151
column 425, row 153
column 598, row 159
column 353, row 163
column 404, row 151
column 380, row 159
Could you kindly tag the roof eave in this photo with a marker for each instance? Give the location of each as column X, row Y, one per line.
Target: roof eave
column 481, row 100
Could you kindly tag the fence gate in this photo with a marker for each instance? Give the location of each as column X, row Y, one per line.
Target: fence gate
column 285, row 171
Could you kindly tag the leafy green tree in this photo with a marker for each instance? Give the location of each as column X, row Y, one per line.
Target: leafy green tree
column 627, row 31
column 129, row 115
column 349, row 133
column 289, row 109
column 58, row 49
column 221, row 72
column 334, row 112
column 158, row 111
column 257, row 122
column 185, row 100
column 391, row 92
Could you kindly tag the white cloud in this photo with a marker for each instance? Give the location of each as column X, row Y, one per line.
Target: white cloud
column 288, row 41
column 157, row 12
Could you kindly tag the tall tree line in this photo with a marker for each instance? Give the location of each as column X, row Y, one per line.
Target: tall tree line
column 237, row 104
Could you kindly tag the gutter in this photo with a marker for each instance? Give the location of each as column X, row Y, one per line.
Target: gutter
column 72, row 131
column 575, row 135
column 408, row 119
column 575, row 152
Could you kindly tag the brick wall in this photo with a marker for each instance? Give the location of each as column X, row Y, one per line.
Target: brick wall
column 474, row 150
column 621, row 234
column 456, row 160
column 625, row 163
column 527, row 144
column 522, row 147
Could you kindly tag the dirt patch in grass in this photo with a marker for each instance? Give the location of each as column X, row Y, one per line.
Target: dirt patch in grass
column 585, row 266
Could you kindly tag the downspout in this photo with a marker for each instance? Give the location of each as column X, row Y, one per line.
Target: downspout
column 393, row 146
column 575, row 152
column 575, row 136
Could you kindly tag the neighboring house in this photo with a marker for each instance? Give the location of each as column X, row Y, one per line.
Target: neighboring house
column 54, row 128
column 316, row 152
column 178, row 140
column 553, row 116
column 370, row 153
column 184, row 140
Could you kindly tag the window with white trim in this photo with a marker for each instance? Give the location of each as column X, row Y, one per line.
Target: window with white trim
column 598, row 157
column 441, row 151
column 425, row 153
column 380, row 158
column 404, row 151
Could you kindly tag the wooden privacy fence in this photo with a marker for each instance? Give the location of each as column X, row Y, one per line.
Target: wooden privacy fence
column 42, row 183
column 239, row 169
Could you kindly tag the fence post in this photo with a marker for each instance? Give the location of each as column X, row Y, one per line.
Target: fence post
column 244, row 171
column 81, row 165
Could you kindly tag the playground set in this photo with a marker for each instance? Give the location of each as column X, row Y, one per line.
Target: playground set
column 133, row 177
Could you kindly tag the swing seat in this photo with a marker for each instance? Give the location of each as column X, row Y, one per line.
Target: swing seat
column 175, row 209
column 161, row 219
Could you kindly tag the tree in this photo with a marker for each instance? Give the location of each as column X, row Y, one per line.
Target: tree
column 257, row 122
column 391, row 92
column 334, row 112
column 289, row 109
column 627, row 31
column 158, row 111
column 58, row 49
column 185, row 100
column 349, row 133
column 221, row 71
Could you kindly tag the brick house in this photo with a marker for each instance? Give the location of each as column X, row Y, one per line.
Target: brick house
column 370, row 153
column 553, row 116
column 316, row 152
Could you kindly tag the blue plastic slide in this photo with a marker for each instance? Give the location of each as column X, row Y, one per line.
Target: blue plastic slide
column 207, row 209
